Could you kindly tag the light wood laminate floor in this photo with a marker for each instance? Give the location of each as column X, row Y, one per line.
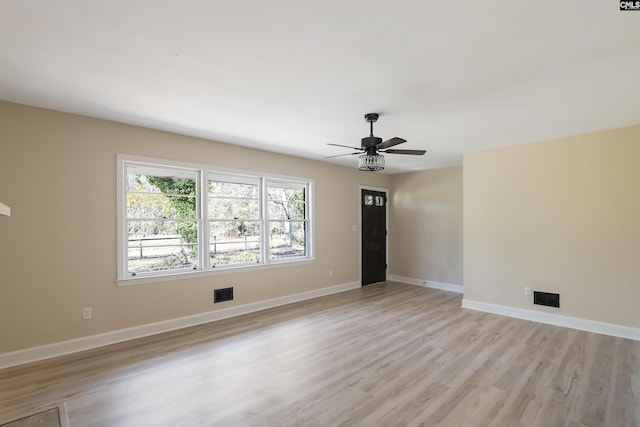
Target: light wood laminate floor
column 383, row 355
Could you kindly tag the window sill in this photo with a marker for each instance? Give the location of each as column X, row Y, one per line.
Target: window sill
column 185, row 275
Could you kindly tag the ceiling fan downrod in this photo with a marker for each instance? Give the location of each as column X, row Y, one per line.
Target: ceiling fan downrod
column 371, row 118
column 370, row 141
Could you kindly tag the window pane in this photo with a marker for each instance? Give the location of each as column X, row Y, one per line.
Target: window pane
column 234, row 242
column 287, row 239
column 231, row 258
column 229, row 230
column 150, row 196
column 180, row 229
column 226, row 189
column 286, row 210
column 226, row 208
column 161, row 183
column 284, row 194
column 286, row 203
column 148, row 205
column 161, row 245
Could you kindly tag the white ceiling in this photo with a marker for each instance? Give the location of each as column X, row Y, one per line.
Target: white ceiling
column 292, row 76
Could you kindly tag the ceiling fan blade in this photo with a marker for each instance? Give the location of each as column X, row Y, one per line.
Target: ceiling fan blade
column 391, row 142
column 346, row 146
column 340, row 155
column 414, row 152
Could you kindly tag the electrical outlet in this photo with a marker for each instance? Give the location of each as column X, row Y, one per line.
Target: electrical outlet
column 87, row 313
column 331, row 272
column 527, row 291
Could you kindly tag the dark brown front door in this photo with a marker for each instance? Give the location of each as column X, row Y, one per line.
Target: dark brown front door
column 374, row 236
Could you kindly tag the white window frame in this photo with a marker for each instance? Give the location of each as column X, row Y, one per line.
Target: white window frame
column 236, row 179
column 284, row 184
column 204, row 173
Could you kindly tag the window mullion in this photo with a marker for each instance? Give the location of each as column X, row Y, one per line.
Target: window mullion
column 203, row 214
column 307, row 215
column 264, row 215
column 122, row 221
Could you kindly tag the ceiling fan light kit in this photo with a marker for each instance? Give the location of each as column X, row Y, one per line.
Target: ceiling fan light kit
column 370, row 159
column 371, row 162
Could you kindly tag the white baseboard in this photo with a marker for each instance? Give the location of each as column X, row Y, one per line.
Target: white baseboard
column 34, row 354
column 427, row 283
column 555, row 319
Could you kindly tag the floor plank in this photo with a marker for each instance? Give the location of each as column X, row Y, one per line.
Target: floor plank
column 386, row 354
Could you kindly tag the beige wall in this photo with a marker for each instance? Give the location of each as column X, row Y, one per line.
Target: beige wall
column 559, row 216
column 425, row 230
column 58, row 248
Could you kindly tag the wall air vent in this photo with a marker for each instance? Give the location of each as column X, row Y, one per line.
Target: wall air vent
column 546, row 298
column 220, row 295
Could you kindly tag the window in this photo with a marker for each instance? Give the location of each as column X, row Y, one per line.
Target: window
column 287, row 220
column 179, row 218
column 234, row 220
column 161, row 221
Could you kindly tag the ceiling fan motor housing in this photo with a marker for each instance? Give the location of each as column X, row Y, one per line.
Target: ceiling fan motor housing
column 370, row 141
